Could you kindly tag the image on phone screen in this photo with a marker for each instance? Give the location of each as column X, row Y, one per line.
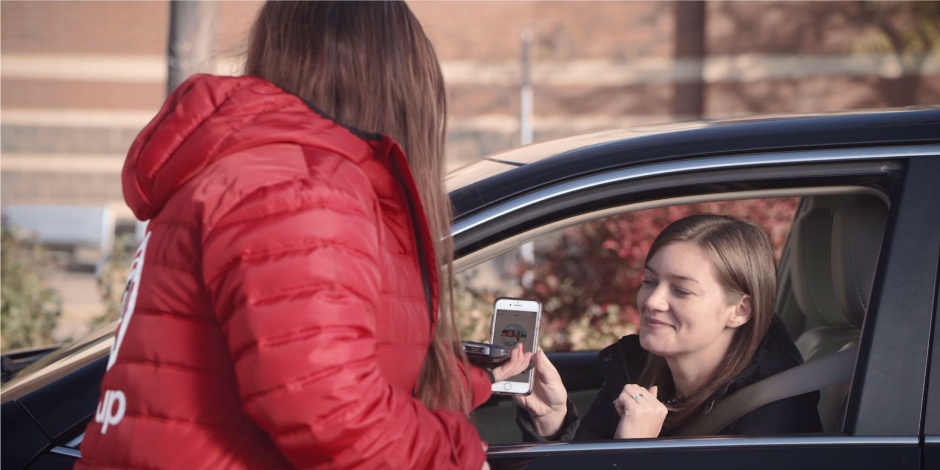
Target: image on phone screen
column 513, row 326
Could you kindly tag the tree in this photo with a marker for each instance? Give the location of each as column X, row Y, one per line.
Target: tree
column 29, row 306
column 907, row 31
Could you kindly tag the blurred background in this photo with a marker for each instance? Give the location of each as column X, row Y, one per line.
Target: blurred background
column 79, row 79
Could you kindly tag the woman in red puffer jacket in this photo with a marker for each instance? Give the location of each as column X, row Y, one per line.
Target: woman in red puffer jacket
column 282, row 309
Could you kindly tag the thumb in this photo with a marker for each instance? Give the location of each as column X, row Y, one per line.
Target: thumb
column 538, row 359
column 654, row 390
column 520, row 400
column 543, row 362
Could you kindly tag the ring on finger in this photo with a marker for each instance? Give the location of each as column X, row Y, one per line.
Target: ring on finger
column 636, row 396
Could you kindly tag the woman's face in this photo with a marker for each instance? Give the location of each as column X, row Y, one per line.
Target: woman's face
column 684, row 312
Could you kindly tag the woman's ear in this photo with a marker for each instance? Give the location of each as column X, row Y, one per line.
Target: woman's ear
column 742, row 312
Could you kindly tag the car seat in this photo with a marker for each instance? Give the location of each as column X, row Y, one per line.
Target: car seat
column 835, row 251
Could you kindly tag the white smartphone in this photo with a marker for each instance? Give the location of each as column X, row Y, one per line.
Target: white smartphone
column 516, row 321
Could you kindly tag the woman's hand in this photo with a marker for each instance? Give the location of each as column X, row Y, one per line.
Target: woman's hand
column 518, row 361
column 547, row 404
column 641, row 414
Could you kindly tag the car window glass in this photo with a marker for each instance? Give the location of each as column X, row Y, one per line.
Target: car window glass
column 587, row 275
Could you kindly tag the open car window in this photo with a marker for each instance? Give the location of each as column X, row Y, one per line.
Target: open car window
column 586, row 274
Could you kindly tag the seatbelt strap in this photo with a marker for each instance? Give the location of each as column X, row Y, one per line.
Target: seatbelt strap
column 829, row 370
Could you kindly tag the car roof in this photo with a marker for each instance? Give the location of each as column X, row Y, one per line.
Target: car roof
column 508, row 174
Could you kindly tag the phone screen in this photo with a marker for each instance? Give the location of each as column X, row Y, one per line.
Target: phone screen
column 514, row 326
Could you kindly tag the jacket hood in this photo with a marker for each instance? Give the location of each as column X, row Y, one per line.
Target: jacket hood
column 210, row 117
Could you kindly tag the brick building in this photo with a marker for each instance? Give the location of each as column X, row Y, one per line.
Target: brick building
column 78, row 79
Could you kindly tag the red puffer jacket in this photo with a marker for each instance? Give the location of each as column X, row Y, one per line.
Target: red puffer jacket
column 275, row 314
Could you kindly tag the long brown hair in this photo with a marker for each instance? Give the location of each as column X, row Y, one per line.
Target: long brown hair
column 743, row 262
column 370, row 66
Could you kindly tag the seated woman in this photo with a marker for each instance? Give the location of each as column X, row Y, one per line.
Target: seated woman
column 707, row 328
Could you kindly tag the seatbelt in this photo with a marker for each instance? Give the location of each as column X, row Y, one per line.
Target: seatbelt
column 829, row 370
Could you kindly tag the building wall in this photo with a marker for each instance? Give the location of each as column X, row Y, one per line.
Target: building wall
column 79, row 79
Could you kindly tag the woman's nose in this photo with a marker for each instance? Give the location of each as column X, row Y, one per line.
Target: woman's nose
column 657, row 299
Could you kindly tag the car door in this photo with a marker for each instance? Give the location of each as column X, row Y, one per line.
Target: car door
column 931, row 422
column 882, row 424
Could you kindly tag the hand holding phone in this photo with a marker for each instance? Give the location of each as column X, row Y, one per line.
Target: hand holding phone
column 547, row 404
column 515, row 321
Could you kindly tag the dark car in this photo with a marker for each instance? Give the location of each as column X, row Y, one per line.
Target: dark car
column 852, row 198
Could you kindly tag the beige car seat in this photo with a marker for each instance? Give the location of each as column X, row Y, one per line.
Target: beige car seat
column 837, row 243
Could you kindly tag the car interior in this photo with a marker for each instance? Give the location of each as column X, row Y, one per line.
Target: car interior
column 825, row 276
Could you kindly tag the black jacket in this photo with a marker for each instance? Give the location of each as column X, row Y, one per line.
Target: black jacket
column 622, row 362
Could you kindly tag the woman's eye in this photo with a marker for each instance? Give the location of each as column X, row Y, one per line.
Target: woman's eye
column 681, row 292
column 648, row 282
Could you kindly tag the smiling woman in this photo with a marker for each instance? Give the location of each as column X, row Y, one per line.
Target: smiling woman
column 706, row 302
column 707, row 329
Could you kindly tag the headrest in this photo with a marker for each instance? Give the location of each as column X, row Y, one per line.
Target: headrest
column 811, row 267
column 836, row 244
column 857, row 232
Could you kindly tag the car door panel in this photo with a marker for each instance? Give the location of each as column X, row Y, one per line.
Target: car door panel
column 53, row 462
column 887, row 395
column 932, row 451
column 28, row 441
column 785, row 453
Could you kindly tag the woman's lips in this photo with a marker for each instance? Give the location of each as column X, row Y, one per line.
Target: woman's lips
column 654, row 323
